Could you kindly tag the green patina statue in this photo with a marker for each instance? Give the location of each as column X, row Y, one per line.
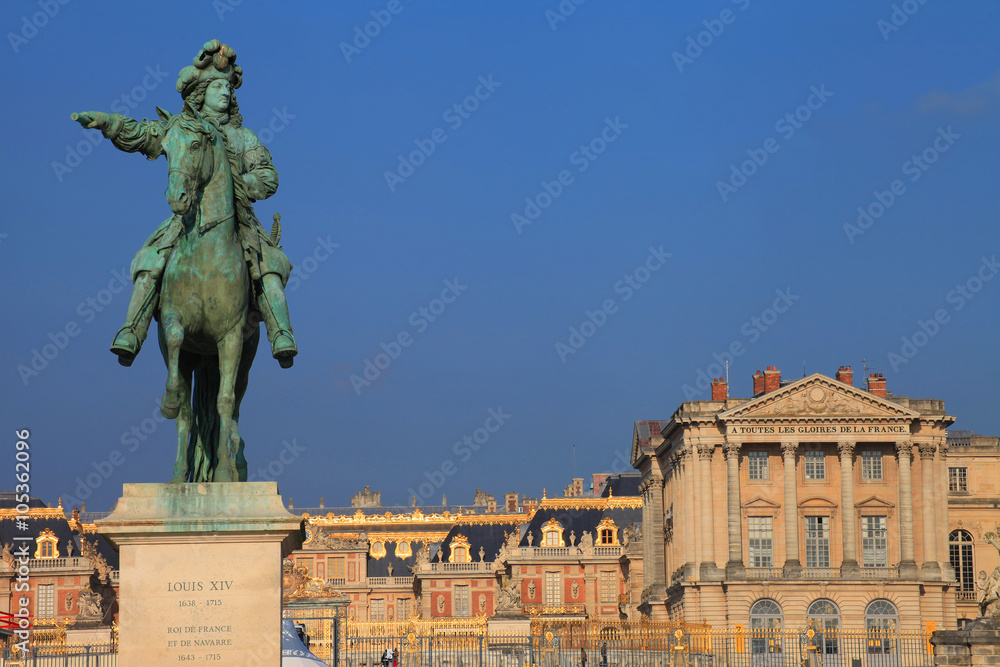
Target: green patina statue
column 209, row 270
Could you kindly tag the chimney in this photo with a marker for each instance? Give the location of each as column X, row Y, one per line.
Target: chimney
column 510, row 501
column 845, row 375
column 772, row 379
column 758, row 383
column 876, row 385
column 720, row 389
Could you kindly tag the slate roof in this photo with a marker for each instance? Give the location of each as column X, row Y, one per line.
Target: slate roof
column 379, row 567
column 63, row 532
column 8, row 501
column 578, row 520
column 490, row 537
column 623, row 484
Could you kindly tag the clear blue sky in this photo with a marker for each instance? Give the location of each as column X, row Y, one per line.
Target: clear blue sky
column 675, row 119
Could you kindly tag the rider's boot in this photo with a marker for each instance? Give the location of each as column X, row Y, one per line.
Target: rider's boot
column 141, row 306
column 274, row 309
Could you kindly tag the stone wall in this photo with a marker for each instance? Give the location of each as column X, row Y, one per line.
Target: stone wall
column 978, row 643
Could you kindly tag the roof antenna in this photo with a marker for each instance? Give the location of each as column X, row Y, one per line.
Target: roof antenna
column 574, row 460
column 727, row 378
column 864, row 365
column 803, row 368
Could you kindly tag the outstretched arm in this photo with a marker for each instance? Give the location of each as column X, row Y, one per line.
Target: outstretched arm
column 127, row 134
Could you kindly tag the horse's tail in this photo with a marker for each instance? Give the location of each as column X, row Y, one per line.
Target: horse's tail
column 202, row 458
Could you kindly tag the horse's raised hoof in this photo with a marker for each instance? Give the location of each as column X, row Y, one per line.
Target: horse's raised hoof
column 170, row 408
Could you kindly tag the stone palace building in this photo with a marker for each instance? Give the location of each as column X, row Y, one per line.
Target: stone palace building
column 814, row 499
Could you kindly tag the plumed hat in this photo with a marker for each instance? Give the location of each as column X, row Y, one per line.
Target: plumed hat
column 214, row 61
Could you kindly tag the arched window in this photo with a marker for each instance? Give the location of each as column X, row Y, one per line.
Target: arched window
column 553, row 534
column 459, row 549
column 47, row 545
column 765, row 624
column 960, row 554
column 607, row 532
column 826, row 620
column 881, row 621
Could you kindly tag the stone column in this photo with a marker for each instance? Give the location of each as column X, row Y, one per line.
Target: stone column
column 793, row 566
column 693, row 534
column 647, row 541
column 655, row 535
column 734, row 568
column 941, row 511
column 930, row 567
column 849, row 567
column 907, row 563
column 709, row 568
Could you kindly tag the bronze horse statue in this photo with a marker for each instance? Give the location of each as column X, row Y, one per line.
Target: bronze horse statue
column 205, row 302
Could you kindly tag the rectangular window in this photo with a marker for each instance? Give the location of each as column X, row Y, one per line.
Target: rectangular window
column 760, row 532
column 815, row 465
column 958, row 480
column 404, row 608
column 336, row 565
column 45, row 604
column 871, row 464
column 874, row 542
column 817, row 541
column 376, row 610
column 461, row 601
column 757, row 465
column 609, row 587
column 553, row 591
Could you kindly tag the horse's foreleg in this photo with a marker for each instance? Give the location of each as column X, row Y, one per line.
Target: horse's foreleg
column 185, row 419
column 230, row 348
column 173, row 336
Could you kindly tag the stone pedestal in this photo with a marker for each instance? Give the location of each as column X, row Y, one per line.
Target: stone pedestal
column 509, row 624
column 201, row 572
column 978, row 643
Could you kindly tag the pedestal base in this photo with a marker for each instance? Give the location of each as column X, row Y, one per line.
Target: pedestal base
column 201, row 572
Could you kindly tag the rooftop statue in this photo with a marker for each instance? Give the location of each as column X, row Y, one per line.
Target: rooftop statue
column 210, row 272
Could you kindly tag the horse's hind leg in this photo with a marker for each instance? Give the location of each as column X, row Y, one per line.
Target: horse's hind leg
column 173, row 336
column 185, row 418
column 229, row 359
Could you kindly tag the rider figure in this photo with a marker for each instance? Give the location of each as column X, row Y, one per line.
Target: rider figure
column 209, row 87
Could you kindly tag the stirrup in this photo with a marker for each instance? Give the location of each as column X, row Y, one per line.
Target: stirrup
column 283, row 348
column 126, row 345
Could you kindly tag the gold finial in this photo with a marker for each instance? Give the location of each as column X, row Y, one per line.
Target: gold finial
column 543, row 493
column 291, row 502
column 60, row 503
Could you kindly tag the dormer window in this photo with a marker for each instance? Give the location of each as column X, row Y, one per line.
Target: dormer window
column 552, row 533
column 47, row 545
column 607, row 533
column 459, row 549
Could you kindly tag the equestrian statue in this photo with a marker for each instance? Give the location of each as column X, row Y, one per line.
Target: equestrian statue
column 210, row 272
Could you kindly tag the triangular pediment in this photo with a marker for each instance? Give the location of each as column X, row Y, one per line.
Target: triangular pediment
column 760, row 502
column 874, row 502
column 818, row 396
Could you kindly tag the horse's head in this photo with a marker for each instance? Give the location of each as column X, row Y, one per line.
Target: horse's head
column 188, row 144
